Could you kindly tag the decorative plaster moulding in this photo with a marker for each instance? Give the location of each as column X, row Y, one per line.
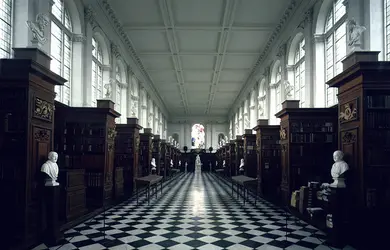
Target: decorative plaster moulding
column 119, row 28
column 275, row 34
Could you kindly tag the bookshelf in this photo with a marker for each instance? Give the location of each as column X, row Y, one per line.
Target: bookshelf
column 145, row 152
column 308, row 138
column 232, row 157
column 84, row 139
column 163, row 159
column 249, row 152
column 239, row 152
column 156, row 153
column 127, row 153
column 268, row 159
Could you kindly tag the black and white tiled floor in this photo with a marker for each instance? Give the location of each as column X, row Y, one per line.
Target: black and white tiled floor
column 195, row 212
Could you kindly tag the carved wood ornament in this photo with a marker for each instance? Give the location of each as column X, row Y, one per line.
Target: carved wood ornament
column 348, row 111
column 283, row 134
column 43, row 109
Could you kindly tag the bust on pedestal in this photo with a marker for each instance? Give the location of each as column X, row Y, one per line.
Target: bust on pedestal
column 198, row 164
column 241, row 169
column 223, row 164
column 185, row 167
column 154, row 168
column 171, row 163
column 50, row 168
column 338, row 170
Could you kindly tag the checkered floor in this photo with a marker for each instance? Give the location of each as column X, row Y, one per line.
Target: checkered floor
column 196, row 211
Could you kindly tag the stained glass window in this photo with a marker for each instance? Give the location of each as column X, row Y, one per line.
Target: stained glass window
column 198, row 136
column 61, row 49
column 335, row 46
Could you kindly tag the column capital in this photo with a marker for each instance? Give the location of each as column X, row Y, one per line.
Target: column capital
column 78, row 38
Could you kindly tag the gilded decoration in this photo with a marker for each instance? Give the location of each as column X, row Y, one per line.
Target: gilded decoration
column 348, row 112
column 43, row 109
column 42, row 135
column 111, row 133
column 283, row 134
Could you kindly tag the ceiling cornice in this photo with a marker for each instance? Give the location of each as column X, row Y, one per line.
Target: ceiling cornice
column 199, row 119
column 267, row 49
column 126, row 40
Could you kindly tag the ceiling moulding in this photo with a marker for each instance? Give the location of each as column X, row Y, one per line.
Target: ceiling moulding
column 199, row 119
column 275, row 34
column 119, row 28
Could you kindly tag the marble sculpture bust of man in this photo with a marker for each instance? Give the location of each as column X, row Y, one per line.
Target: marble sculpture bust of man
column 153, row 163
column 241, row 169
column 223, row 164
column 50, row 168
column 338, row 169
column 171, row 163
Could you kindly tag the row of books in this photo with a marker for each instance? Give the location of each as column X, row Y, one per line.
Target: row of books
column 378, row 101
column 270, row 153
column 378, row 138
column 90, row 131
column 311, row 138
column 93, row 148
column 312, row 127
column 94, row 179
column 378, row 120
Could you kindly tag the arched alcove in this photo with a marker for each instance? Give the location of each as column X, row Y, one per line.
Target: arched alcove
column 175, row 136
column 221, row 137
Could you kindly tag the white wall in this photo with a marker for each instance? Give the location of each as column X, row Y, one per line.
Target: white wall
column 211, row 133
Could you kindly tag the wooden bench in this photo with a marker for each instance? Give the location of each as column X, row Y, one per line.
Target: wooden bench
column 149, row 181
column 242, row 182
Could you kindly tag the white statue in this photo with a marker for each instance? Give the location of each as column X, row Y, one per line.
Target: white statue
column 223, row 164
column 288, row 90
column 216, row 163
column 354, row 32
column 198, row 164
column 179, row 163
column 108, row 90
column 185, row 167
column 171, row 163
column 50, row 168
column 338, row 170
column 38, row 29
column 247, row 123
column 153, row 163
column 241, row 169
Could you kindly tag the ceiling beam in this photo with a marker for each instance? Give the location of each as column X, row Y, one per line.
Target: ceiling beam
column 227, row 23
column 199, row 53
column 253, row 27
column 169, row 26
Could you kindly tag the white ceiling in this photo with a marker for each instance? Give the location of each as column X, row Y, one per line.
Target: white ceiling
column 199, row 53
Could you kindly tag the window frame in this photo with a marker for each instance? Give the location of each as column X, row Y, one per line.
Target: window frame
column 386, row 29
column 65, row 31
column 332, row 33
column 299, row 91
column 98, row 74
column 11, row 14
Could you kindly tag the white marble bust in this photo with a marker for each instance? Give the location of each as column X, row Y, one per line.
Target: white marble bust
column 338, row 170
column 153, row 163
column 223, row 164
column 216, row 163
column 50, row 168
column 171, row 163
column 179, row 163
column 241, row 169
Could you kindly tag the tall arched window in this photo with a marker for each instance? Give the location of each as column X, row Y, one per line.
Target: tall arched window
column 335, row 46
column 6, row 28
column 61, row 49
column 299, row 73
column 278, row 100
column 118, row 97
column 387, row 28
column 275, row 87
column 97, row 72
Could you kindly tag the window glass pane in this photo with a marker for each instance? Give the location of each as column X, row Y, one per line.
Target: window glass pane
column 57, row 9
column 5, row 28
column 339, row 10
column 387, row 28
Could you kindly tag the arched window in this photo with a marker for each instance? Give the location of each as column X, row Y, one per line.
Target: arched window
column 175, row 136
column 61, row 49
column 275, row 86
column 335, row 46
column 198, row 136
column 97, row 72
column 299, row 73
column 6, row 28
column 387, row 28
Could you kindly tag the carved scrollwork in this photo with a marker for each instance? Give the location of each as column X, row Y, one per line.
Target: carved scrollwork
column 42, row 135
column 283, row 134
column 110, row 147
column 348, row 112
column 111, row 133
column 43, row 109
column 348, row 137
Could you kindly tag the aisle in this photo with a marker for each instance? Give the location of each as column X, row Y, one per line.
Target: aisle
column 194, row 212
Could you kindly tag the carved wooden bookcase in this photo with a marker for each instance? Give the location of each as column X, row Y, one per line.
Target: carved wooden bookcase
column 164, row 163
column 26, row 138
column 364, row 131
column 145, row 152
column 250, row 156
column 156, row 154
column 232, row 157
column 86, row 137
column 268, row 159
column 126, row 154
column 239, row 152
column 308, row 138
